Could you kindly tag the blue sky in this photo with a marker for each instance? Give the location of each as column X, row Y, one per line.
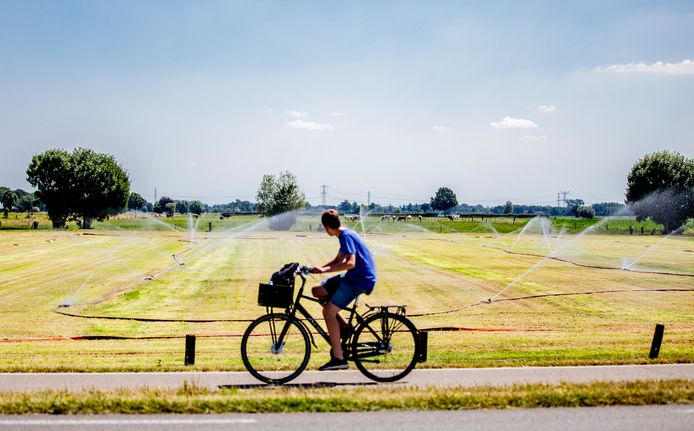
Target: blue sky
column 496, row 100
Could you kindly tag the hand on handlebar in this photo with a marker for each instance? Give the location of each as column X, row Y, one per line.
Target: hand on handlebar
column 304, row 269
column 316, row 270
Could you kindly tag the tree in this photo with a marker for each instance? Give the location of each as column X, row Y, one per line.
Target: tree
column 195, row 207
column 585, row 212
column 169, row 209
column 100, row 186
column 182, row 207
column 136, row 202
column 50, row 173
column 508, row 207
column 444, row 200
column 9, row 200
column 660, row 186
column 278, row 198
column 345, row 207
column 82, row 184
column 160, row 205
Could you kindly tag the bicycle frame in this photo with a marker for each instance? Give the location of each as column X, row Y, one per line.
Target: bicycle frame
column 297, row 307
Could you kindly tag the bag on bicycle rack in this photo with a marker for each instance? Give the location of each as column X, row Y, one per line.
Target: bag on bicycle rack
column 280, row 291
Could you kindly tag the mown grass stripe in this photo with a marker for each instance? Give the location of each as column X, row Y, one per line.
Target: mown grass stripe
column 191, row 399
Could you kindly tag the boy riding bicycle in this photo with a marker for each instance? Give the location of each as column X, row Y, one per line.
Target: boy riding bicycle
column 338, row 291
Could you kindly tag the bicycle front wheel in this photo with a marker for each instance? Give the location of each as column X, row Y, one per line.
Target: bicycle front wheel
column 275, row 349
column 385, row 347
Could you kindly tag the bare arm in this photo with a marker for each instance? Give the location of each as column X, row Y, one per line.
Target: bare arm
column 340, row 263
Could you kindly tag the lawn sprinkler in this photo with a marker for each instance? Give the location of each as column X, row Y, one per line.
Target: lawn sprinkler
column 176, row 260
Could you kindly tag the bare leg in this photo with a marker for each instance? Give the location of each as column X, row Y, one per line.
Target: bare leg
column 331, row 313
column 321, row 292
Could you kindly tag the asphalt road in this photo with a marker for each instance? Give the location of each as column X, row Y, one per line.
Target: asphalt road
column 641, row 418
column 419, row 377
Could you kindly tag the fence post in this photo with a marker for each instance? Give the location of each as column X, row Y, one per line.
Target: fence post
column 190, row 350
column 657, row 340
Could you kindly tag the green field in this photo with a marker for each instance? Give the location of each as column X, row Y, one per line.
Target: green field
column 124, row 269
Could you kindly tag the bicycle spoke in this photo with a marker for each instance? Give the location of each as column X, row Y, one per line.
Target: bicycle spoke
column 385, row 347
column 271, row 356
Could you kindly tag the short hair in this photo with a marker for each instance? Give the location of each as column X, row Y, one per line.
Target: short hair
column 331, row 219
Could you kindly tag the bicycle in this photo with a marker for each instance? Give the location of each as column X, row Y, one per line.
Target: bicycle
column 383, row 343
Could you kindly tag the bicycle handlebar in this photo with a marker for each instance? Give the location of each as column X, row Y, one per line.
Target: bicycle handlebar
column 304, row 269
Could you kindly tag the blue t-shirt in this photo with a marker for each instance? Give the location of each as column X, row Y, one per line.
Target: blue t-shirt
column 364, row 272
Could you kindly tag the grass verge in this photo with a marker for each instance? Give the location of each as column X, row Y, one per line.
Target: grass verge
column 191, row 399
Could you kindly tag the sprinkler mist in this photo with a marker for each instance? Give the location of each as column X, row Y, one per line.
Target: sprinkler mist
column 551, row 254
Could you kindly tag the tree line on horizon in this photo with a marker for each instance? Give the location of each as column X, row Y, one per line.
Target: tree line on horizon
column 84, row 185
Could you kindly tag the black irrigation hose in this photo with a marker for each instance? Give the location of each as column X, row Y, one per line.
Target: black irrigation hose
column 433, row 313
column 585, row 265
column 545, row 295
column 147, row 319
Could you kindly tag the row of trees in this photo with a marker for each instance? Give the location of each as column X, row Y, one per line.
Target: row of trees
column 85, row 185
column 19, row 200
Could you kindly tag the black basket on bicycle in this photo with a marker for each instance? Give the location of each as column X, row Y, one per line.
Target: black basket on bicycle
column 279, row 292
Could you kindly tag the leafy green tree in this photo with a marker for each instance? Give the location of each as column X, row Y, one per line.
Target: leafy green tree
column 100, row 186
column 9, row 200
column 182, row 207
column 444, row 200
column 195, row 207
column 136, row 202
column 660, row 186
column 508, row 207
column 585, row 212
column 278, row 197
column 82, row 184
column 50, row 172
column 160, row 205
column 345, row 207
column 169, row 209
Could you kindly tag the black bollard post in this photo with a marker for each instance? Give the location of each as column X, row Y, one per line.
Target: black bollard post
column 209, row 226
column 423, row 338
column 190, row 350
column 657, row 340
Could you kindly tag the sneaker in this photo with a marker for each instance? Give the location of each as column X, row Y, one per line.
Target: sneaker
column 334, row 364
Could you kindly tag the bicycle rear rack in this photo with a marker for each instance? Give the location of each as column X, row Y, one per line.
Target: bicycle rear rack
column 399, row 309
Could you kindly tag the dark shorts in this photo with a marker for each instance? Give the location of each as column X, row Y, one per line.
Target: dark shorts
column 341, row 293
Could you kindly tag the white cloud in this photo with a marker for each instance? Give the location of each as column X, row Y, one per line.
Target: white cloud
column 334, row 114
column 684, row 67
column 441, row 129
column 309, row 125
column 547, row 108
column 513, row 123
column 296, row 114
column 534, row 138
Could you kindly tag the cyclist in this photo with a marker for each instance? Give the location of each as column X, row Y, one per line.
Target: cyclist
column 338, row 291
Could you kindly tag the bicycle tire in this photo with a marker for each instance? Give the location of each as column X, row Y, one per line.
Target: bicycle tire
column 385, row 347
column 264, row 360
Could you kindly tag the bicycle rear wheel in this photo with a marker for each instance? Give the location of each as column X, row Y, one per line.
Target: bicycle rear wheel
column 266, row 357
column 385, row 347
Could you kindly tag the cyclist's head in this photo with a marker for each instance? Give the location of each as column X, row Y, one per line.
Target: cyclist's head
column 331, row 219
